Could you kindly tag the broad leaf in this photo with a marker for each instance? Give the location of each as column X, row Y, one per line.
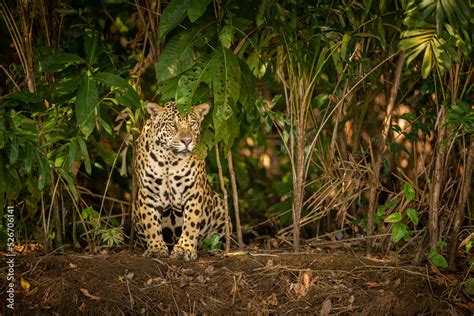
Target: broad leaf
column 14, row 149
column 437, row 259
column 197, row 8
column 167, row 89
column 427, row 63
column 393, row 218
column 70, row 183
column 399, row 230
column 174, row 13
column 86, row 101
column 226, row 35
column 85, row 154
column 413, row 216
column 188, row 84
column 226, row 90
column 177, row 57
column 382, row 208
column 91, row 46
column 59, row 61
column 409, row 191
column 248, row 92
column 43, row 167
column 125, row 94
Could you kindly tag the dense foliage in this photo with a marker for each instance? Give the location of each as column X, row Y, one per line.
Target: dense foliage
column 352, row 118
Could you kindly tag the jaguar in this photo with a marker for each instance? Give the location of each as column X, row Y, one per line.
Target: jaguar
column 176, row 209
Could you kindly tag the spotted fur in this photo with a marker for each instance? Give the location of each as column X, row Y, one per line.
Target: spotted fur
column 174, row 200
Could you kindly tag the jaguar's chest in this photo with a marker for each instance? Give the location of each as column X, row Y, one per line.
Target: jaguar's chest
column 168, row 177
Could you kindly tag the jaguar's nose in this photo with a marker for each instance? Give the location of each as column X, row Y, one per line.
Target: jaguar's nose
column 186, row 140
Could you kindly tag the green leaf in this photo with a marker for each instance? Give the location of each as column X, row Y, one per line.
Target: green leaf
column 174, row 13
column 72, row 154
column 409, row 191
column 226, row 35
column 344, row 44
column 85, row 153
column 437, row 259
column 469, row 286
column 427, row 62
column 91, row 46
column 86, row 101
column 226, row 91
column 43, row 167
column 393, row 218
column 382, row 208
column 381, row 33
column 413, row 216
column 68, row 84
column 59, row 61
column 399, row 230
column 248, row 89
column 70, row 182
column 197, row 8
column 212, row 243
column 336, row 57
column 260, row 18
column 177, row 57
column 14, row 149
column 126, row 95
column 27, row 159
column 189, row 83
column 25, row 97
column 167, row 89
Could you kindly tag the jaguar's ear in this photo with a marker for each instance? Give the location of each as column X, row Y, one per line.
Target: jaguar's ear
column 154, row 109
column 202, row 109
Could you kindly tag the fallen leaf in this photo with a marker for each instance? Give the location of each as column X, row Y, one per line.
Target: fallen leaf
column 72, row 265
column 306, row 280
column 184, row 280
column 466, row 240
column 82, row 308
column 396, row 283
column 87, row 294
column 378, row 284
column 269, row 263
column 470, row 306
column 271, row 300
column 130, row 275
column 326, row 307
column 209, row 270
column 25, row 286
column 302, row 286
column 201, row 279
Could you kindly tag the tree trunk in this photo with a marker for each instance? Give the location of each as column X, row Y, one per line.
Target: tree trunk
column 465, row 191
column 226, row 204
column 433, row 217
column 381, row 148
column 235, row 198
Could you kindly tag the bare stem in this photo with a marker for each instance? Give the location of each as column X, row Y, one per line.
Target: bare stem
column 381, row 148
column 226, row 204
column 235, row 198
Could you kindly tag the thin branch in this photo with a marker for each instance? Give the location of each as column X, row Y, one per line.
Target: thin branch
column 226, row 205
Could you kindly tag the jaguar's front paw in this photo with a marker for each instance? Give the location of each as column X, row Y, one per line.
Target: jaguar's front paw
column 187, row 254
column 156, row 252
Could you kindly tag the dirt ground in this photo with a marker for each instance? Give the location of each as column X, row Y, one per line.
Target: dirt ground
column 320, row 282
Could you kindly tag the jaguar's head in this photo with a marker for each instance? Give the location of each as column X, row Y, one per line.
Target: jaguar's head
column 177, row 133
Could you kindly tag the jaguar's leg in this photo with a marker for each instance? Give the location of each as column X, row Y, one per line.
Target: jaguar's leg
column 150, row 218
column 186, row 248
column 217, row 218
